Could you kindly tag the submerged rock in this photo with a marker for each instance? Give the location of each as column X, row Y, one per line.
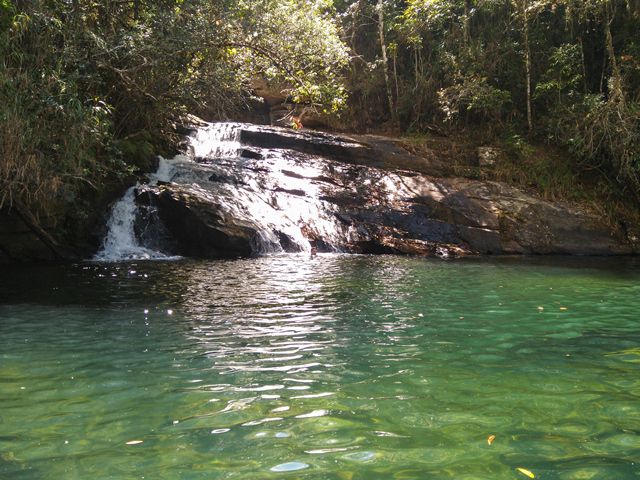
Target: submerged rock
column 361, row 195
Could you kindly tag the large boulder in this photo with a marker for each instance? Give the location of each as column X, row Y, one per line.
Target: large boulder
column 369, row 150
column 359, row 194
column 199, row 226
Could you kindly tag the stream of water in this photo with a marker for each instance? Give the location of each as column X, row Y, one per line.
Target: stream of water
column 341, row 367
column 213, row 165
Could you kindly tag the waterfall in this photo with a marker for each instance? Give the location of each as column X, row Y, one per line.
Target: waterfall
column 282, row 206
column 217, row 140
column 121, row 241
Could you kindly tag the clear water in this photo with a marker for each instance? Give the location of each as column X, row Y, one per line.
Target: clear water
column 333, row 368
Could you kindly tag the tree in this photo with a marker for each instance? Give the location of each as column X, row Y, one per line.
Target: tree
column 89, row 88
column 385, row 61
column 523, row 11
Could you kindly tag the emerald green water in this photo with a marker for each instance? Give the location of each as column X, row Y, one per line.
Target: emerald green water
column 334, row 368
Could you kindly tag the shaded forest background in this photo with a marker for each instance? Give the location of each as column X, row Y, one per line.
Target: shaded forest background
column 91, row 90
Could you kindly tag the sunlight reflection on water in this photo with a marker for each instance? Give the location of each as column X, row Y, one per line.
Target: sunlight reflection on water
column 338, row 367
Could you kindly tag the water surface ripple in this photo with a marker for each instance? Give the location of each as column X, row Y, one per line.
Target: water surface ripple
column 341, row 367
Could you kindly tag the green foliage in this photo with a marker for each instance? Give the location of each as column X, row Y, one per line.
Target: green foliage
column 606, row 134
column 89, row 90
column 297, row 43
column 564, row 79
column 137, row 150
column 420, row 16
column 517, row 146
column 7, row 11
column 551, row 175
column 50, row 133
column 474, row 95
column 572, row 65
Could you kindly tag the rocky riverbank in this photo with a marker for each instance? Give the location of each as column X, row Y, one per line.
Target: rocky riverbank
column 287, row 190
column 362, row 194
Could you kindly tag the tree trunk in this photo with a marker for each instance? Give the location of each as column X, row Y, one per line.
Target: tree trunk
column 584, row 66
column 395, row 72
column 615, row 87
column 416, row 73
column 466, row 24
column 385, row 62
column 527, row 60
column 603, row 72
column 354, row 24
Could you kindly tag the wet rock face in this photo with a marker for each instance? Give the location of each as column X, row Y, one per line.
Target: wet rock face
column 199, row 227
column 356, row 194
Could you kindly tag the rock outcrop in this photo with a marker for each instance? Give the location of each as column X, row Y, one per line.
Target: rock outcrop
column 269, row 189
column 360, row 194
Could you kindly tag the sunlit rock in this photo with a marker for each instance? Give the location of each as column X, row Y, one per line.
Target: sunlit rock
column 248, row 190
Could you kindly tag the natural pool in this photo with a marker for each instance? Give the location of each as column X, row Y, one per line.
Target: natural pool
column 341, row 367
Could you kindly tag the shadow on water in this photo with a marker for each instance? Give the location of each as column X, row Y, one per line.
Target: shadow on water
column 614, row 265
column 190, row 281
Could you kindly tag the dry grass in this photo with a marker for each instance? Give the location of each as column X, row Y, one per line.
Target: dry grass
column 24, row 178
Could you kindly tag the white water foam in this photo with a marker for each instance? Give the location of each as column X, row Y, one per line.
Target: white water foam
column 120, row 242
column 216, row 140
column 251, row 200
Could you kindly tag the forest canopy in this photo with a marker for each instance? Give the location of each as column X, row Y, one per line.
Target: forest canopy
column 561, row 71
column 87, row 84
column 90, row 87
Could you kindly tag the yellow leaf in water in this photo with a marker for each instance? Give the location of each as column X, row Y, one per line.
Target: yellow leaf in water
column 491, row 439
column 134, row 442
column 526, row 472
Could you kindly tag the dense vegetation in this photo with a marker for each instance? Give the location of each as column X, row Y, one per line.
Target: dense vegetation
column 89, row 88
column 561, row 71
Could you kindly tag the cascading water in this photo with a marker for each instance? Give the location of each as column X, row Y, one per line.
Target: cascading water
column 237, row 185
column 216, row 140
column 245, row 196
column 121, row 242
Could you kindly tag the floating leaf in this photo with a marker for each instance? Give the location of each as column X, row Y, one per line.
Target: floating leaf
column 345, row 475
column 491, row 439
column 526, row 472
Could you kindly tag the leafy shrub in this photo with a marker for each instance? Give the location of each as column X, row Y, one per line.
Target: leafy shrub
column 606, row 134
column 473, row 94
